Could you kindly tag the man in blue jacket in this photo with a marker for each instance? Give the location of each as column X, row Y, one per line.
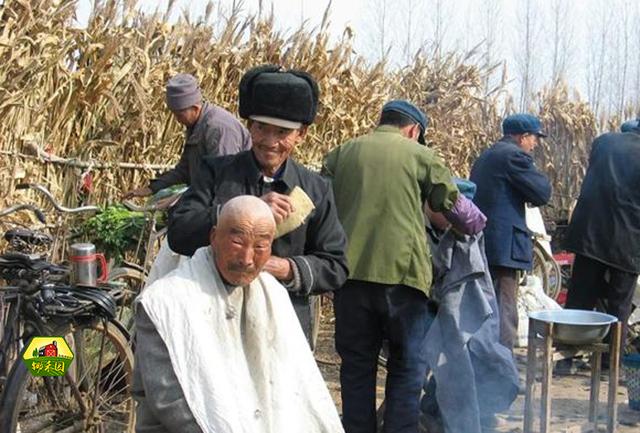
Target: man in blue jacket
column 507, row 179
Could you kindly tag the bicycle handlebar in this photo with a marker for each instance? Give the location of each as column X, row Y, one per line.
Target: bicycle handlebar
column 161, row 204
column 18, row 207
column 53, row 201
column 135, row 208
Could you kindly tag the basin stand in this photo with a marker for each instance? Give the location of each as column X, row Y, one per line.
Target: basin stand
column 541, row 337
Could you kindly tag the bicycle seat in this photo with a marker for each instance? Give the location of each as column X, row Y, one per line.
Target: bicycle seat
column 27, row 236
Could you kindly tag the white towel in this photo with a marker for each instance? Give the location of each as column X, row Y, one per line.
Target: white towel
column 241, row 357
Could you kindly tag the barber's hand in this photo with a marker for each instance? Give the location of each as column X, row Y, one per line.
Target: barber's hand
column 280, row 205
column 279, row 268
column 139, row 192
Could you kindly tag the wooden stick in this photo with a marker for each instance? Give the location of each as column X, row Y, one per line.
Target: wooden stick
column 614, row 365
column 594, row 395
column 532, row 368
column 547, row 367
column 87, row 164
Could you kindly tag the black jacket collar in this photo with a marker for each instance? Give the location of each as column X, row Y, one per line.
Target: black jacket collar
column 287, row 176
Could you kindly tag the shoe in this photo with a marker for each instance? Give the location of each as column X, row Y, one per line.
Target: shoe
column 490, row 424
column 564, row 367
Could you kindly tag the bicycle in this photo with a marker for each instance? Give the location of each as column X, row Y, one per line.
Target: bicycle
column 546, row 267
column 60, row 237
column 544, row 264
column 93, row 394
column 133, row 275
column 129, row 275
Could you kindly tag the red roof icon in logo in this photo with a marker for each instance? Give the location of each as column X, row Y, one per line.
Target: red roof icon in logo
column 50, row 350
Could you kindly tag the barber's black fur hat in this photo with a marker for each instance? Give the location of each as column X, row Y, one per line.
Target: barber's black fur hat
column 270, row 90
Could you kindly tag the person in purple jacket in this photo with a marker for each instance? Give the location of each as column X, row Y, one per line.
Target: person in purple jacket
column 211, row 130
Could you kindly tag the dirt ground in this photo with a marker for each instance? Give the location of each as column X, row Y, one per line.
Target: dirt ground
column 570, row 394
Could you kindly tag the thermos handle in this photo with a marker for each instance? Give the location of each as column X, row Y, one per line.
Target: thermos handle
column 104, row 273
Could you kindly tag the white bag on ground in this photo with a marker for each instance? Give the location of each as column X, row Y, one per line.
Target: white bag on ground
column 531, row 298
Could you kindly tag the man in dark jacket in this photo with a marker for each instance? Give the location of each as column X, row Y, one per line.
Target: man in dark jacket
column 604, row 231
column 211, row 130
column 279, row 106
column 507, row 179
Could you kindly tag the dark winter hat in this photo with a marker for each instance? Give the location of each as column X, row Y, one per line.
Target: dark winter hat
column 183, row 92
column 411, row 111
column 286, row 98
column 631, row 126
column 522, row 124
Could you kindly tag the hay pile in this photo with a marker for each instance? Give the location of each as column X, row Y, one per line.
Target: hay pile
column 78, row 101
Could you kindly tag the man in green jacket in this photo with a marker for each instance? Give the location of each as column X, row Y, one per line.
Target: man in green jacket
column 380, row 182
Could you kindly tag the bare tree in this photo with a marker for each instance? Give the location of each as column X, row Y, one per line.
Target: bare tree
column 525, row 51
column 491, row 24
column 378, row 25
column 562, row 34
column 597, row 42
column 440, row 19
column 409, row 32
column 621, row 55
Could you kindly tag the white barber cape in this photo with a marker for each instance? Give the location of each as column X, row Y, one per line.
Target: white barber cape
column 241, row 357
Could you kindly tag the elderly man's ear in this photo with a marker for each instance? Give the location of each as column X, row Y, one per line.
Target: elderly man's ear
column 212, row 235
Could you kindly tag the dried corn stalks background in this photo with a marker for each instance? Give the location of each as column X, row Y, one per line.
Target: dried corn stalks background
column 76, row 101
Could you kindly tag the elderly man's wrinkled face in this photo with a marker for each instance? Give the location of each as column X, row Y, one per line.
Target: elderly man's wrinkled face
column 272, row 145
column 528, row 142
column 241, row 248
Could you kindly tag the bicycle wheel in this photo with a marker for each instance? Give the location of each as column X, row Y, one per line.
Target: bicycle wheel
column 133, row 280
column 9, row 345
column 547, row 269
column 93, row 396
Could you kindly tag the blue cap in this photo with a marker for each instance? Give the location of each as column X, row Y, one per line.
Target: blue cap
column 466, row 187
column 631, row 126
column 411, row 111
column 522, row 124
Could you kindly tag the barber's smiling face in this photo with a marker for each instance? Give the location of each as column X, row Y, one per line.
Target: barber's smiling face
column 241, row 249
column 272, row 144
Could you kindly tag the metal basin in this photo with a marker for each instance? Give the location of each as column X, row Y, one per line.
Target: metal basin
column 576, row 326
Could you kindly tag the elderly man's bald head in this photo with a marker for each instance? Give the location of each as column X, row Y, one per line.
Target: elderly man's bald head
column 242, row 239
column 246, row 207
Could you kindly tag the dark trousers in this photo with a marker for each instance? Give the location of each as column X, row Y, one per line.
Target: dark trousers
column 592, row 281
column 365, row 314
column 505, row 283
